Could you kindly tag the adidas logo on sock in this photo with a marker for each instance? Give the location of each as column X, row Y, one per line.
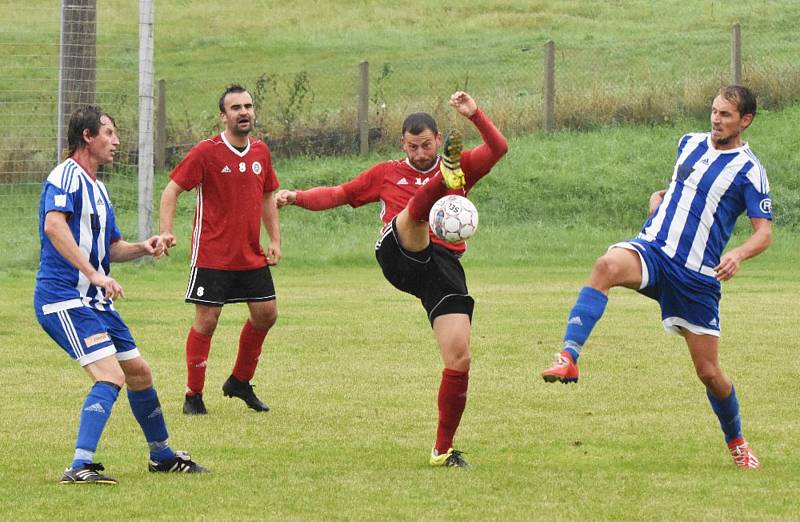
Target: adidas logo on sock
column 96, row 407
column 156, row 413
column 575, row 320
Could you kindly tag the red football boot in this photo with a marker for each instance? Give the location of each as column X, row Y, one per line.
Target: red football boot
column 563, row 369
column 742, row 454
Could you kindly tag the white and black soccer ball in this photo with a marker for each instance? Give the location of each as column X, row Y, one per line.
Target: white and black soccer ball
column 453, row 218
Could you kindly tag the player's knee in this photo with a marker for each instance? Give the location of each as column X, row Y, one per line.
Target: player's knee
column 605, row 272
column 266, row 320
column 708, row 374
column 138, row 375
column 459, row 359
column 206, row 324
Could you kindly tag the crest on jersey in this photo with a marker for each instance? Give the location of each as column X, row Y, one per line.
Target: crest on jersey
column 684, row 171
column 256, row 168
column 60, row 200
column 765, row 205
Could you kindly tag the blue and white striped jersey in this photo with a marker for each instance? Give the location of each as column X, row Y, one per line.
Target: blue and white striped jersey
column 59, row 285
column 708, row 192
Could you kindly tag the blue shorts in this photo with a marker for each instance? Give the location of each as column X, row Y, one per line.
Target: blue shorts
column 88, row 335
column 688, row 299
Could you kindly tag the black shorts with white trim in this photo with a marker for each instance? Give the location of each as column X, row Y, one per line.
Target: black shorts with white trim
column 434, row 275
column 212, row 287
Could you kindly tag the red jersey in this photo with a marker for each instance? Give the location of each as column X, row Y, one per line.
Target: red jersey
column 393, row 183
column 230, row 195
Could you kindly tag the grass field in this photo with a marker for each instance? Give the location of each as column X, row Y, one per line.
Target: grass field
column 351, row 371
column 351, row 368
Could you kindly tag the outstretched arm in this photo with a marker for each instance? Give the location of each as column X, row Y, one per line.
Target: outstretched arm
column 758, row 241
column 317, row 198
column 166, row 213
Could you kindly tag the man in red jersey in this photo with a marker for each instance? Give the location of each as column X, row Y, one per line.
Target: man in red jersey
column 234, row 181
column 414, row 260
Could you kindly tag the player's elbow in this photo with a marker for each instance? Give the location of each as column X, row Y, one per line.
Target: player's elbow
column 502, row 148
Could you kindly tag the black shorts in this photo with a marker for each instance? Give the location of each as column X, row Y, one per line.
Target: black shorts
column 211, row 287
column 434, row 275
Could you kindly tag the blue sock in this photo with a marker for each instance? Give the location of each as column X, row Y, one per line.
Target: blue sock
column 587, row 311
column 727, row 411
column 94, row 415
column 147, row 410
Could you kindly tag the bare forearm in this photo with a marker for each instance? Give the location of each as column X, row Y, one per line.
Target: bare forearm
column 269, row 216
column 755, row 244
column 122, row 251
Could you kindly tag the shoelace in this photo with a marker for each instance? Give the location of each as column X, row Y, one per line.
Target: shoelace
column 562, row 360
column 743, row 457
column 455, row 457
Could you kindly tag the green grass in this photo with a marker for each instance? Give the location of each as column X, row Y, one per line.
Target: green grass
column 351, row 371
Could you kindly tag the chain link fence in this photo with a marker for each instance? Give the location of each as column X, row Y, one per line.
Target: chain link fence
column 312, row 106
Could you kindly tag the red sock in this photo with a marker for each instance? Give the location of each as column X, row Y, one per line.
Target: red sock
column 197, row 348
column 250, row 342
column 452, row 400
column 420, row 205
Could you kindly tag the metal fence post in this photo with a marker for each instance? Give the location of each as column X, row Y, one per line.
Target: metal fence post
column 549, row 122
column 161, row 126
column 736, row 54
column 363, row 108
column 145, row 160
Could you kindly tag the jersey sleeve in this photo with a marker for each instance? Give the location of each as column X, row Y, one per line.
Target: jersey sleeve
column 366, row 187
column 477, row 162
column 270, row 177
column 189, row 172
column 755, row 188
column 58, row 199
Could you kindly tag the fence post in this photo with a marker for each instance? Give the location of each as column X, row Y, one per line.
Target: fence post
column 549, row 122
column 736, row 54
column 363, row 108
column 145, row 160
column 77, row 64
column 161, row 126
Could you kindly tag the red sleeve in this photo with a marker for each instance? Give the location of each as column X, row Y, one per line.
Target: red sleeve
column 271, row 179
column 189, row 172
column 321, row 198
column 477, row 162
column 366, row 187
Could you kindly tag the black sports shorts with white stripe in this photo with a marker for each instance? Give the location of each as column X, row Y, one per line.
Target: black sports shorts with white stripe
column 211, row 287
column 434, row 275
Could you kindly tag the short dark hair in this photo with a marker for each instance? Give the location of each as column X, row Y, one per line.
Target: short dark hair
column 743, row 97
column 419, row 122
column 233, row 88
column 87, row 117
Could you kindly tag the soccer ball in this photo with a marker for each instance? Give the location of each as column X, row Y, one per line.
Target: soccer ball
column 453, row 218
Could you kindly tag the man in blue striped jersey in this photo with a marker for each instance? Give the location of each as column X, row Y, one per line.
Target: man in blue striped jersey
column 677, row 258
column 74, row 297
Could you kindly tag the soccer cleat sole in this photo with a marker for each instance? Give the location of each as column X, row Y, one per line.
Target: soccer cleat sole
column 79, row 482
column 556, row 378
